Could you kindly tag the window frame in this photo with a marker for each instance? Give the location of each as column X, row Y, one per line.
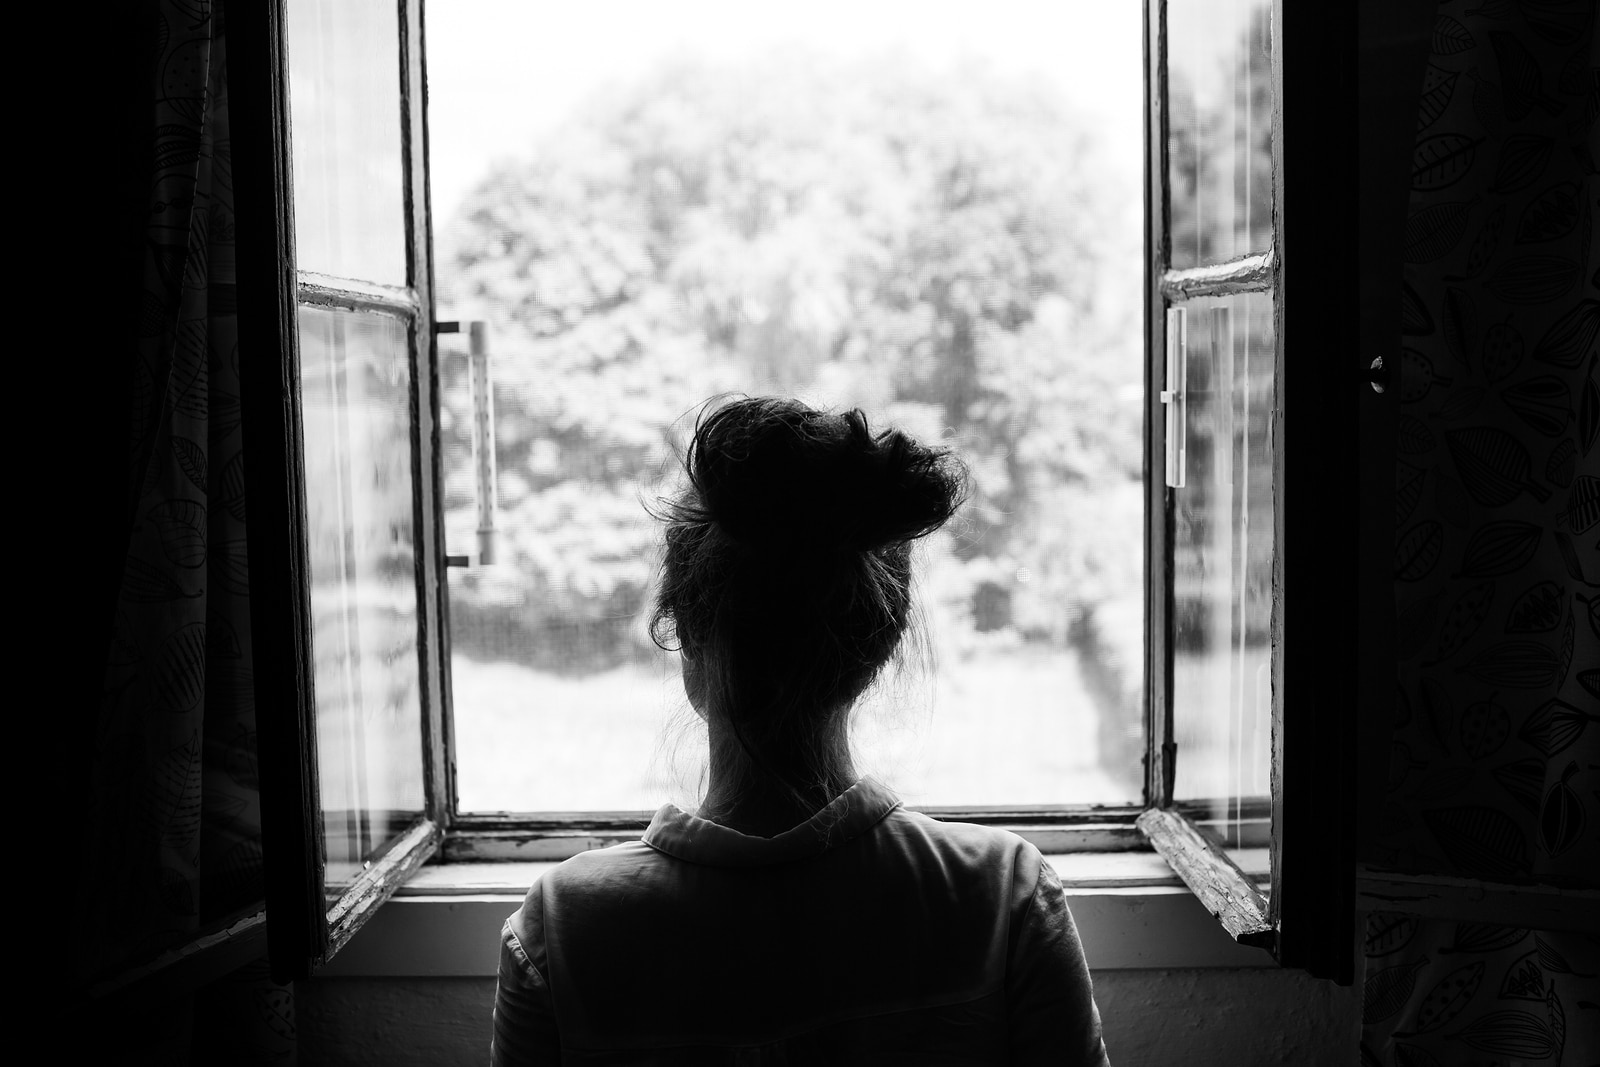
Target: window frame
column 1228, row 892
column 1314, row 749
column 1308, row 919
column 306, row 929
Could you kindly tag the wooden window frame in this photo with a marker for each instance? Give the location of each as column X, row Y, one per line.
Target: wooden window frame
column 1308, row 918
column 304, row 929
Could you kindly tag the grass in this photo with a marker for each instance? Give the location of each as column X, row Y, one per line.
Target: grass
column 1010, row 727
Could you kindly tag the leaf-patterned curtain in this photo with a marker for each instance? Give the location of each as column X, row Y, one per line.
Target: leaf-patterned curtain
column 1495, row 760
column 176, row 827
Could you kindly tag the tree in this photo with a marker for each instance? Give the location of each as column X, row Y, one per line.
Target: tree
column 927, row 246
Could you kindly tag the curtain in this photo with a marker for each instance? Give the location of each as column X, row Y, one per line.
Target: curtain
column 175, row 808
column 1495, row 759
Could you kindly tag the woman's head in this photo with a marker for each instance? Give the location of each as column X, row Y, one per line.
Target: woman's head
column 786, row 580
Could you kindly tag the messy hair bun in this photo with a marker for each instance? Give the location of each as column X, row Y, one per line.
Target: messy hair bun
column 787, row 571
column 778, row 476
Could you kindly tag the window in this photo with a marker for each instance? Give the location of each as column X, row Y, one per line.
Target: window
column 894, row 209
column 342, row 464
column 461, row 637
column 1214, row 374
column 1250, row 127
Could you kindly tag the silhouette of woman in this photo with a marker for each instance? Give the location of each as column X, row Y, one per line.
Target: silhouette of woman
column 802, row 916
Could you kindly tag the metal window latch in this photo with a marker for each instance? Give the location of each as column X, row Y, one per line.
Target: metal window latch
column 1175, row 396
column 483, row 468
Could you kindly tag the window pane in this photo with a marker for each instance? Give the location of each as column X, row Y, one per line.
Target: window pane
column 355, row 389
column 344, row 90
column 833, row 204
column 1222, row 562
column 1219, row 134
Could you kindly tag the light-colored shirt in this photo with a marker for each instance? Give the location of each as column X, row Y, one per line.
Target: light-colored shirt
column 869, row 934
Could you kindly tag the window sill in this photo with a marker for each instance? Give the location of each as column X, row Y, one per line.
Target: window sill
column 1131, row 911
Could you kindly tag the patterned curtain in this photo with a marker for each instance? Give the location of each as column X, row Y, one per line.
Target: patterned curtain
column 1495, row 763
column 176, row 827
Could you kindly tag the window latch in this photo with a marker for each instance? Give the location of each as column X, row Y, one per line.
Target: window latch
column 1174, row 396
column 485, row 492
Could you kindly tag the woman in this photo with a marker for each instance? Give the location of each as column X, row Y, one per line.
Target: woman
column 802, row 916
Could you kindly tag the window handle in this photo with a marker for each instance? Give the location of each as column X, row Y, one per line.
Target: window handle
column 1175, row 396
column 483, row 469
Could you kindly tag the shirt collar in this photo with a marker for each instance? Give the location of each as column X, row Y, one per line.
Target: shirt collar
column 849, row 815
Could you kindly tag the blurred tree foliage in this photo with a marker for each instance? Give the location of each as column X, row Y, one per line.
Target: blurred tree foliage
column 1219, row 156
column 931, row 247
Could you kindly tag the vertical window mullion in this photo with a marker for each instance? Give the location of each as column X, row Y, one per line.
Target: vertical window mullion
column 1321, row 379
column 438, row 780
column 1275, row 899
column 1158, row 509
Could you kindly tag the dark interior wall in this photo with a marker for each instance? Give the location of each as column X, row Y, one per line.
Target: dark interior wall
column 93, row 197
column 1392, row 53
column 85, row 193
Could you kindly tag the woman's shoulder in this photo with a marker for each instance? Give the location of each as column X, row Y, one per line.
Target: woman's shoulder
column 599, row 866
column 587, row 875
column 988, row 842
column 965, row 851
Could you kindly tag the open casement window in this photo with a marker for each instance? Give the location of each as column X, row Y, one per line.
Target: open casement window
column 1251, row 698
column 335, row 266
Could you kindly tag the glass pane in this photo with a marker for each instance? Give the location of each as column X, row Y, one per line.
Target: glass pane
column 889, row 205
column 1219, row 135
column 1222, row 565
column 344, row 92
column 355, row 396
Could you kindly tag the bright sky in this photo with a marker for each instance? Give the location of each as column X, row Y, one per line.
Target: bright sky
column 502, row 71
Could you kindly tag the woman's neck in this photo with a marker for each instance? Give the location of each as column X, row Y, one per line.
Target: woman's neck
column 745, row 796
